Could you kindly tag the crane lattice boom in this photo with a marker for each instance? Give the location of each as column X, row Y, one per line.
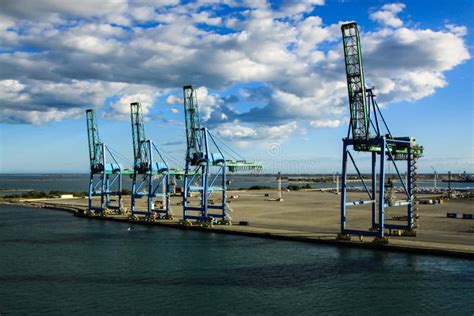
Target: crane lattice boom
column 195, row 150
column 95, row 146
column 356, row 85
column 140, row 148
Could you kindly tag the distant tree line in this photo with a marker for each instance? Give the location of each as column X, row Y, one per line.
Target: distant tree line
column 50, row 194
column 291, row 187
column 294, row 187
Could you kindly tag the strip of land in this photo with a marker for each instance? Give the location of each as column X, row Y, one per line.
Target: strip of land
column 313, row 216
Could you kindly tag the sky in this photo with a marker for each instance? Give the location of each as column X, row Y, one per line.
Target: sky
column 270, row 78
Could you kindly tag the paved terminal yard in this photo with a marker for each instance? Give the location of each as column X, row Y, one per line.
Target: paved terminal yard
column 315, row 216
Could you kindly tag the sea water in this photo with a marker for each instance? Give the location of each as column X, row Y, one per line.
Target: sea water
column 54, row 263
column 20, row 183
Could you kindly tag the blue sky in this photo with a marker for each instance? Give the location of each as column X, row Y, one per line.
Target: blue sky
column 270, row 77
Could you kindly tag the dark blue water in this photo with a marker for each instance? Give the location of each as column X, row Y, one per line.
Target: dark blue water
column 54, row 263
column 19, row 183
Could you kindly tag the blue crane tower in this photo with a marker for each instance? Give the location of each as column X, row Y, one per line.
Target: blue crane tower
column 206, row 169
column 368, row 132
column 105, row 177
column 151, row 176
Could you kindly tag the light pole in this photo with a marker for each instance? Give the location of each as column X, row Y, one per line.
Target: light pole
column 435, row 177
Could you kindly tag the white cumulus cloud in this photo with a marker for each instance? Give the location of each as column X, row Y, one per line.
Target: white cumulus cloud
column 275, row 70
column 387, row 15
column 326, row 123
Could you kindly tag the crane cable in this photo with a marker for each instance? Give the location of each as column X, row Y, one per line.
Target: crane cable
column 229, row 147
column 123, row 157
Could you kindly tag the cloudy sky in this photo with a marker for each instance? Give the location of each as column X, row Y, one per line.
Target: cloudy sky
column 270, row 77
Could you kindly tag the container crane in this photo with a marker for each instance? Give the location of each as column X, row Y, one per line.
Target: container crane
column 151, row 178
column 104, row 176
column 206, row 169
column 368, row 132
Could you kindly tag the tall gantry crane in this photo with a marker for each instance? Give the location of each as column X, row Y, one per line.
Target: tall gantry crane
column 105, row 177
column 206, row 169
column 151, row 178
column 368, row 132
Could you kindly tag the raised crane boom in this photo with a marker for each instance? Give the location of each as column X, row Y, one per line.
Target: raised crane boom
column 96, row 153
column 356, row 85
column 195, row 150
column 140, row 148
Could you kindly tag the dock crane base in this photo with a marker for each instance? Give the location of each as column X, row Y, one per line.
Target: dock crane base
column 376, row 193
column 198, row 178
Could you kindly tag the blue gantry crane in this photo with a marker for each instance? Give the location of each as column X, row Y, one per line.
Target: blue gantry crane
column 151, row 173
column 206, row 169
column 368, row 132
column 105, row 177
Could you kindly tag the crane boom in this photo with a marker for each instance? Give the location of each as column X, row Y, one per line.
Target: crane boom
column 356, row 85
column 95, row 145
column 140, row 150
column 193, row 125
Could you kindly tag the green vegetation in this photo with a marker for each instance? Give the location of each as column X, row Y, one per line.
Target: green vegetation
column 260, row 187
column 293, row 187
column 256, row 187
column 43, row 195
column 50, row 194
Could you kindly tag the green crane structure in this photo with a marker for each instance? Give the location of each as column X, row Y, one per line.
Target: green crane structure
column 369, row 132
column 206, row 169
column 105, row 177
column 151, row 173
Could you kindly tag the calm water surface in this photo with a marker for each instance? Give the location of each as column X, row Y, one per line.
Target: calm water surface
column 54, row 263
column 18, row 183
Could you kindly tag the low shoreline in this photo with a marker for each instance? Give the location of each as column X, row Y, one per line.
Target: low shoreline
column 395, row 245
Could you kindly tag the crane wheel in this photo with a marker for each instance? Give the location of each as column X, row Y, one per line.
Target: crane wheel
column 345, row 237
column 133, row 218
column 380, row 241
column 185, row 222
